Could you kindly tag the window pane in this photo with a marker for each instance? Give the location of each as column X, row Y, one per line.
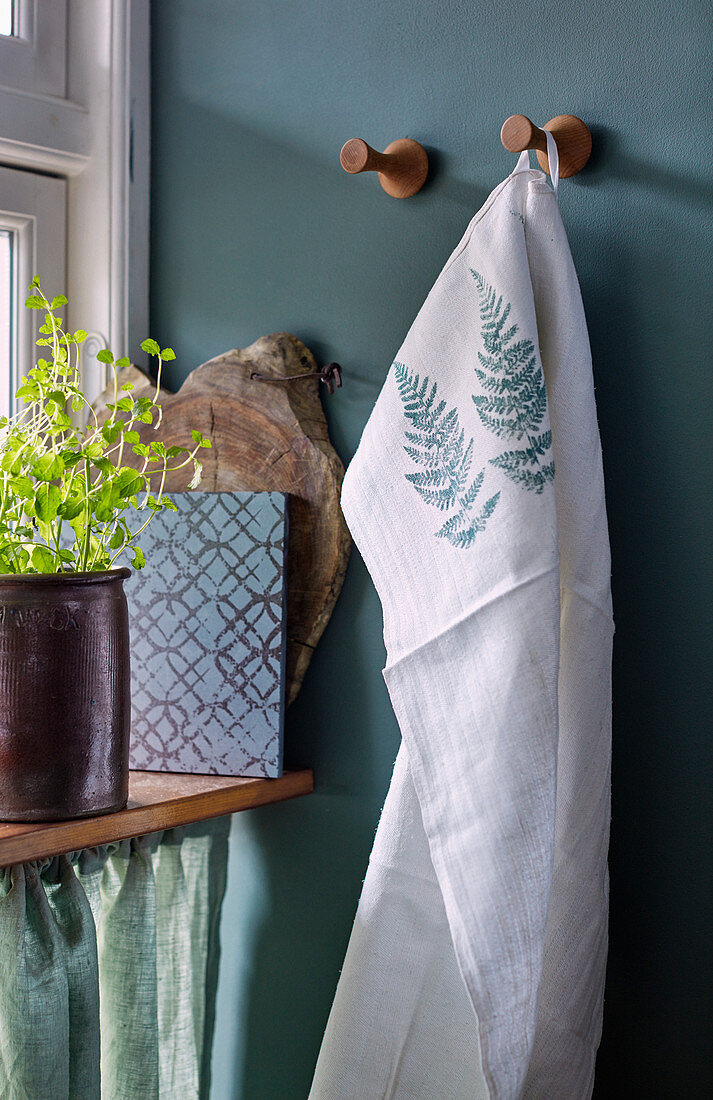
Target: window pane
column 6, row 14
column 6, row 318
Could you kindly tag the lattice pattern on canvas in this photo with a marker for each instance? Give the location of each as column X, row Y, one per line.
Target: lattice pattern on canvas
column 207, row 637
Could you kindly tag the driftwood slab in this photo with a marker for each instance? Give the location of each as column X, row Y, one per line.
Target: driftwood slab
column 266, row 436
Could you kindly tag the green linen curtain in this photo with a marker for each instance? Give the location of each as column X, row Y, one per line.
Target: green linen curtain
column 108, row 969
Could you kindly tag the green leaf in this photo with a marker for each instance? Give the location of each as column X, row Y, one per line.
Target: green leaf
column 122, row 363
column 80, row 336
column 128, row 386
column 60, row 300
column 70, row 458
column 30, row 391
column 141, row 450
column 167, row 354
column 77, row 402
column 138, row 561
column 22, row 486
column 48, row 467
column 47, row 501
column 105, row 503
column 105, row 356
column 71, row 507
column 117, row 539
column 93, row 450
column 34, row 302
column 43, row 560
column 131, row 436
column 110, row 431
column 79, row 525
column 128, row 482
column 60, row 422
column 125, row 404
column 151, row 347
column 11, row 462
column 172, row 452
column 104, row 466
column 35, row 281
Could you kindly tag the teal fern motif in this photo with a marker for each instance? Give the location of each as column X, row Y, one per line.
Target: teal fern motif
column 514, row 403
column 436, row 443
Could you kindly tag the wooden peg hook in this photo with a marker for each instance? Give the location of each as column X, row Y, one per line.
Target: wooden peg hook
column 574, row 141
column 402, row 167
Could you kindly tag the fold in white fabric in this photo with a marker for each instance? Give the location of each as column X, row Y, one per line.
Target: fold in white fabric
column 476, row 964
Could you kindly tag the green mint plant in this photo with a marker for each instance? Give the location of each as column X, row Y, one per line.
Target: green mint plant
column 66, row 501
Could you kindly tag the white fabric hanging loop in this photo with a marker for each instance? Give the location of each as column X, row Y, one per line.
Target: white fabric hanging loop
column 553, row 157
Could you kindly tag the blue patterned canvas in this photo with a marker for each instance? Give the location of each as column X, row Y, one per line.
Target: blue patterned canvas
column 207, row 637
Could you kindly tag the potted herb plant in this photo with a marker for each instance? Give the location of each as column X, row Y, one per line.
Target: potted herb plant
column 71, row 507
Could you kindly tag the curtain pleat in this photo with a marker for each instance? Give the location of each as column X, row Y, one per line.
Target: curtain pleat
column 74, row 930
column 108, row 969
column 49, row 991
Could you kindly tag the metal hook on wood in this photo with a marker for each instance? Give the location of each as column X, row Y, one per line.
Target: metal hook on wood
column 574, row 141
column 331, row 375
column 402, row 167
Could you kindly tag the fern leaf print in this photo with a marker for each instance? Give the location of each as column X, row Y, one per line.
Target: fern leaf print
column 514, row 401
column 437, row 444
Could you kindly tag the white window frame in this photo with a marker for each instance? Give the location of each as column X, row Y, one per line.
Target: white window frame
column 33, row 209
column 91, row 130
column 34, row 59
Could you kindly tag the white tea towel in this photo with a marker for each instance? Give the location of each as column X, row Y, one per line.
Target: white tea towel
column 476, row 964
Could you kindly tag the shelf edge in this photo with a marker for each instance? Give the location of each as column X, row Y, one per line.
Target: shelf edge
column 55, row 838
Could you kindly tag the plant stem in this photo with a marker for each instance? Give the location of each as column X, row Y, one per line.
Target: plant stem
column 87, row 514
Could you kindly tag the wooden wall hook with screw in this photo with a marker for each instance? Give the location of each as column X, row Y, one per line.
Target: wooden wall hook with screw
column 402, row 167
column 574, row 141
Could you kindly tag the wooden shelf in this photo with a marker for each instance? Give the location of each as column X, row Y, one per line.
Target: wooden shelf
column 157, row 800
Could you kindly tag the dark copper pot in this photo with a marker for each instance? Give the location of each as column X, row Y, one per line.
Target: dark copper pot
column 64, row 695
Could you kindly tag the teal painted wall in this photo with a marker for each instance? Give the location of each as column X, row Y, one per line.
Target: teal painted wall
column 255, row 228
